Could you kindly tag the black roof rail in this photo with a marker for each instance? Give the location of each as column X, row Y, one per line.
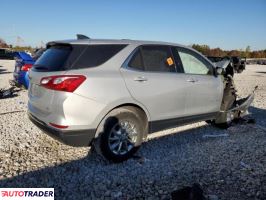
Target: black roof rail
column 82, row 37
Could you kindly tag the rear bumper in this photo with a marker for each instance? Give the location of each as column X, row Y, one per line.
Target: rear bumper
column 15, row 77
column 21, row 78
column 76, row 138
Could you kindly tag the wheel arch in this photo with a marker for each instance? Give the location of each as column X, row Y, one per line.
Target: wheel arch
column 143, row 111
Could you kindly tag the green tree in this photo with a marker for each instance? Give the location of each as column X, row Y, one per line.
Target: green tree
column 204, row 49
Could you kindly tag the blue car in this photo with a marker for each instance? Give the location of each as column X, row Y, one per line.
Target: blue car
column 23, row 64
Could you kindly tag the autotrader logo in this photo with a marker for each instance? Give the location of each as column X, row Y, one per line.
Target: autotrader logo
column 27, row 193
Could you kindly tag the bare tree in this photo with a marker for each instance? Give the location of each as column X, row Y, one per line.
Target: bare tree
column 3, row 44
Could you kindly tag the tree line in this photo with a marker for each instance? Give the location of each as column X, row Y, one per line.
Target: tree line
column 3, row 44
column 217, row 52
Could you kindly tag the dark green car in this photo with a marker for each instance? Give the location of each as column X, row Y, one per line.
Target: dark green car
column 6, row 54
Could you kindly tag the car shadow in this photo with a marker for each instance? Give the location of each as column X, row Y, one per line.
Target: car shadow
column 82, row 176
column 260, row 72
column 4, row 71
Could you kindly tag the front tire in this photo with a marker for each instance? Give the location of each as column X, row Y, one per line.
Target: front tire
column 122, row 134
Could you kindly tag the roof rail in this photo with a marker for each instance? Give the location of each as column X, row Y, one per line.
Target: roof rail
column 82, row 37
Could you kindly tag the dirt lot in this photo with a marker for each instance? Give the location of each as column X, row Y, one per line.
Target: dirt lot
column 232, row 166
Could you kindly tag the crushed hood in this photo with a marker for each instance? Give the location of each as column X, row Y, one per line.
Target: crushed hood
column 222, row 64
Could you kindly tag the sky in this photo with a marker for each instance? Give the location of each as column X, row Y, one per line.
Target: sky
column 218, row 23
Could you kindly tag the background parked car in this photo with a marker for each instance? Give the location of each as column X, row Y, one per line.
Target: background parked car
column 37, row 53
column 238, row 63
column 23, row 64
column 6, row 54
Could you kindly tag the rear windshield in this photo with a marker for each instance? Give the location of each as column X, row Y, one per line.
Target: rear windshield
column 58, row 58
column 53, row 59
column 38, row 54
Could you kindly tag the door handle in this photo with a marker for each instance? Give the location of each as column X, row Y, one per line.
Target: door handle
column 140, row 79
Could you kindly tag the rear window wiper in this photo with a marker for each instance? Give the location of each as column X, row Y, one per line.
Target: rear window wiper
column 38, row 67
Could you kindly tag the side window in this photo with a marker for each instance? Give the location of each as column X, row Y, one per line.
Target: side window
column 136, row 61
column 157, row 58
column 193, row 63
column 94, row 55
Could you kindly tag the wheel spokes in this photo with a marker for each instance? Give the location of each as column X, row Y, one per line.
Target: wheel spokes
column 122, row 137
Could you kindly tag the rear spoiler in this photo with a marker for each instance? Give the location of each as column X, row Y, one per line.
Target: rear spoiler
column 82, row 37
column 66, row 42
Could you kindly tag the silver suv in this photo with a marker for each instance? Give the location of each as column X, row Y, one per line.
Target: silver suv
column 112, row 93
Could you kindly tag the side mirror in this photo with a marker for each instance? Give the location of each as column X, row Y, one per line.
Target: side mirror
column 219, row 70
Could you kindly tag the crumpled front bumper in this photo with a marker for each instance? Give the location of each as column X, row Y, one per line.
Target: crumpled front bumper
column 239, row 110
column 243, row 104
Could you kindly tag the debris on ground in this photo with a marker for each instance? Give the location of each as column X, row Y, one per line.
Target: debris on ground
column 140, row 159
column 214, row 136
column 7, row 93
column 244, row 165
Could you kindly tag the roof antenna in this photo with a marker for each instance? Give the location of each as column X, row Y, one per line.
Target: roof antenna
column 82, row 37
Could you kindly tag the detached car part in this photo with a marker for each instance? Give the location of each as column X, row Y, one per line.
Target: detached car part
column 6, row 93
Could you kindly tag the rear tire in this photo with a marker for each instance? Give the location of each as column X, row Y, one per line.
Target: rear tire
column 121, row 134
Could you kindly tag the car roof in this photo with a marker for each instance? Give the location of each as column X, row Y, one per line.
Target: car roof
column 112, row 41
column 121, row 41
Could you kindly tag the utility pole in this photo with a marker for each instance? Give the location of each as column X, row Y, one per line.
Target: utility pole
column 19, row 41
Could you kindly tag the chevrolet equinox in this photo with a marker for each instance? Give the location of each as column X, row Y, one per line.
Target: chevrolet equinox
column 112, row 93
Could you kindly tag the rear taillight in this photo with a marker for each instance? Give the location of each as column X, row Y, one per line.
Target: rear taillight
column 58, row 126
column 26, row 67
column 66, row 83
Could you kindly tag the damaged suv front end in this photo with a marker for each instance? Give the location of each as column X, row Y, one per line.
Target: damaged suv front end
column 233, row 107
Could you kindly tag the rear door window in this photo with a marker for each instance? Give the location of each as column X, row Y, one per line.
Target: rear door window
column 157, row 58
column 153, row 58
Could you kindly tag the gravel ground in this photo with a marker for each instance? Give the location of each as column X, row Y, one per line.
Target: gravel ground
column 232, row 166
